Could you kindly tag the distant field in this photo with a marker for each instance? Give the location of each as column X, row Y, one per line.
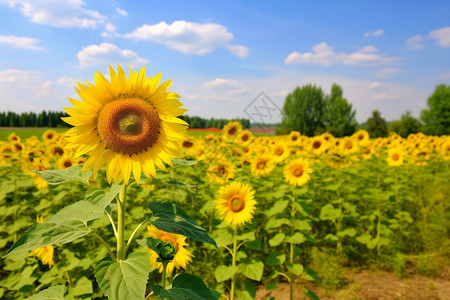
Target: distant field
column 29, row 132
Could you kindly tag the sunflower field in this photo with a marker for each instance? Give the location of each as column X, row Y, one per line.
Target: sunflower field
column 233, row 214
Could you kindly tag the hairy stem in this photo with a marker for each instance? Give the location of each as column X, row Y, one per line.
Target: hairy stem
column 121, row 223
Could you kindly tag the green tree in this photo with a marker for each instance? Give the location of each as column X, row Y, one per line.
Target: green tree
column 437, row 116
column 407, row 125
column 376, row 125
column 303, row 110
column 339, row 116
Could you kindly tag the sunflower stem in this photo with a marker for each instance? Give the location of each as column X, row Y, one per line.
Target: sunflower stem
column 106, row 245
column 164, row 274
column 233, row 264
column 121, row 223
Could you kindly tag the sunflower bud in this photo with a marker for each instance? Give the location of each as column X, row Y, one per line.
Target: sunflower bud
column 166, row 250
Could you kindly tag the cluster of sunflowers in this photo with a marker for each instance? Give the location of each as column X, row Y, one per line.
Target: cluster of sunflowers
column 237, row 147
column 35, row 154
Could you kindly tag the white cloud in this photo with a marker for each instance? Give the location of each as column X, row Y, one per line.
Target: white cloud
column 374, row 33
column 376, row 84
column 110, row 30
column 240, row 51
column 25, row 90
column 121, row 12
column 107, row 53
column 223, row 82
column 68, row 82
column 58, row 13
column 386, row 72
column 446, row 75
column 19, row 42
column 189, row 37
column 442, row 36
column 415, row 42
column 323, row 54
column 383, row 96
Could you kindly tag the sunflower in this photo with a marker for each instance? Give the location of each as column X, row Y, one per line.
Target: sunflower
column 245, row 137
column 236, row 203
column 45, row 254
column 232, row 130
column 280, row 152
column 220, row 172
column 131, row 124
column 395, row 157
column 183, row 256
column 13, row 137
column 318, row 145
column 49, row 136
column 262, row 165
column 445, row 150
column 349, row 145
column 294, row 137
column 297, row 172
column 66, row 161
column 362, row 137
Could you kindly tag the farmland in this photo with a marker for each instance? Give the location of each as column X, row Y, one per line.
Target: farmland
column 323, row 206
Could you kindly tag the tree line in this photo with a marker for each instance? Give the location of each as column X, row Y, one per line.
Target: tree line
column 32, row 119
column 308, row 110
column 199, row 122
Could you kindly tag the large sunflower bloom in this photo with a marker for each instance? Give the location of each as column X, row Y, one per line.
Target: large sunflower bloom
column 236, row 203
column 395, row 157
column 183, row 255
column 262, row 165
column 131, row 124
column 297, row 172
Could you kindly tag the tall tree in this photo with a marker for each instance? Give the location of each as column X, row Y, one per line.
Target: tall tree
column 406, row 125
column 437, row 116
column 376, row 125
column 339, row 117
column 303, row 110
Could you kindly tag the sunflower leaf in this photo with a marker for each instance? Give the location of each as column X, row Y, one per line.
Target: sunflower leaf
column 63, row 227
column 178, row 163
column 73, row 173
column 185, row 287
column 125, row 279
column 171, row 218
column 54, row 292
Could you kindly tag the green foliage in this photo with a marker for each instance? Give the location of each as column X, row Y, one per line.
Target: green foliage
column 185, row 287
column 339, row 115
column 437, row 117
column 376, row 125
column 406, row 125
column 199, row 122
column 125, row 279
column 31, row 119
column 303, row 110
column 52, row 293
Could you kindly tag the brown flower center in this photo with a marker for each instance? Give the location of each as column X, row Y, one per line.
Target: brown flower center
column 297, row 171
column 187, row 144
column 67, row 163
column 279, row 151
column 317, row 144
column 128, row 126
column 232, row 130
column 395, row 156
column 236, row 203
column 260, row 165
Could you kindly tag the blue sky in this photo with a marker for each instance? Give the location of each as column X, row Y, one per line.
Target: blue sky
column 386, row 55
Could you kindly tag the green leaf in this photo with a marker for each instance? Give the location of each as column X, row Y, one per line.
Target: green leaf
column 83, row 287
column 249, row 236
column 52, row 293
column 179, row 163
column 277, row 208
column 296, row 269
column 223, row 273
column 297, row 238
column 277, row 239
column 310, row 294
column 309, row 274
column 156, row 181
column 253, row 270
column 364, row 239
column 170, row 218
column 65, row 226
column 249, row 292
column 331, row 237
column 73, row 173
column 125, row 279
column 185, row 287
column 328, row 212
column 224, row 238
column 276, row 223
column 274, row 258
column 351, row 232
column 101, row 198
column 302, row 225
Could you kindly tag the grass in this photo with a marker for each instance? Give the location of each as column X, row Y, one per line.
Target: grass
column 28, row 132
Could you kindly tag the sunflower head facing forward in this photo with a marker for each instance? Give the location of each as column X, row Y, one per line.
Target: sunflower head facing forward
column 131, row 124
column 236, row 203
